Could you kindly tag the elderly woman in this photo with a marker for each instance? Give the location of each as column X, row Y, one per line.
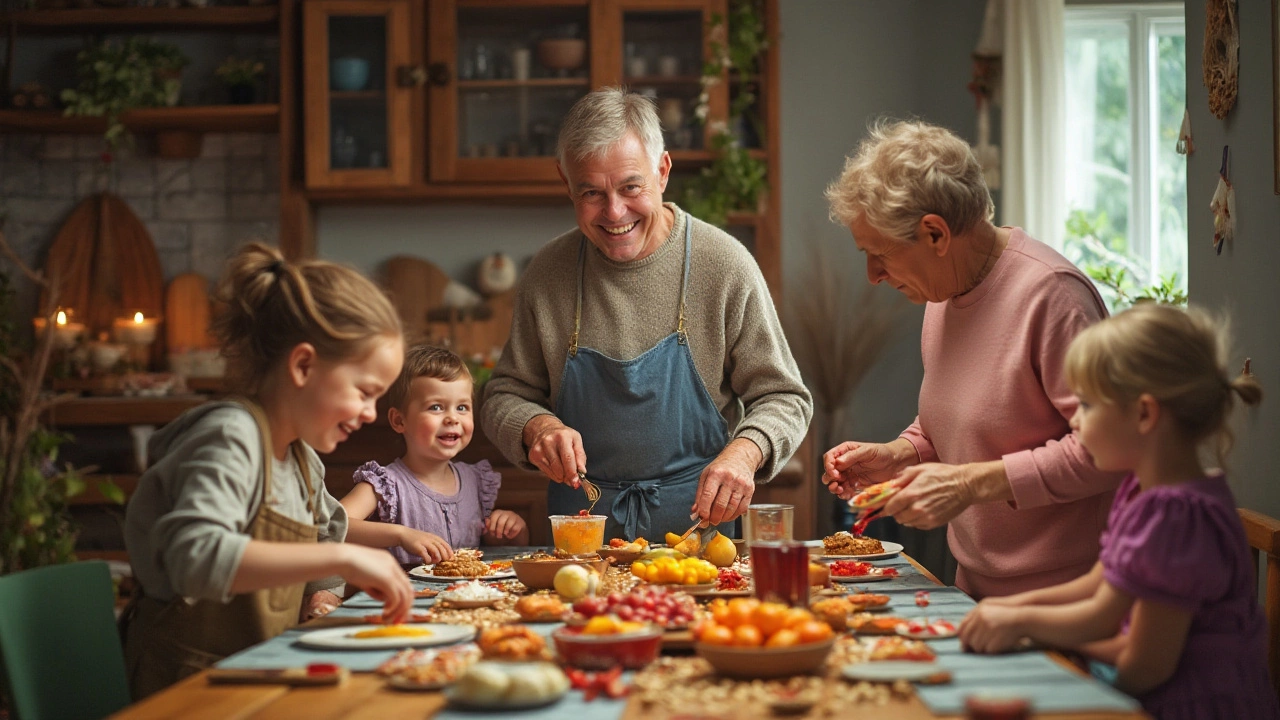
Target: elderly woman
column 991, row 452
column 645, row 351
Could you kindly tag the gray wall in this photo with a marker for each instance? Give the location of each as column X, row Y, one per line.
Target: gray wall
column 1243, row 279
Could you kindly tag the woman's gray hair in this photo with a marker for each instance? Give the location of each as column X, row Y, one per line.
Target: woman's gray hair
column 602, row 118
column 905, row 170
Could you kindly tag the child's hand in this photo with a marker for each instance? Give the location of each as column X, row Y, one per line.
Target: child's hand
column 504, row 525
column 431, row 548
column 991, row 628
column 377, row 573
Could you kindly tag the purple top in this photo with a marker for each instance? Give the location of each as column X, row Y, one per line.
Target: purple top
column 458, row 518
column 1183, row 545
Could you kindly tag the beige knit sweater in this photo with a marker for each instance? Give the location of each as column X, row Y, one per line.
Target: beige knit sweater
column 733, row 329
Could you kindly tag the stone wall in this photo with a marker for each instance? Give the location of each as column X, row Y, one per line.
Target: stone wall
column 197, row 210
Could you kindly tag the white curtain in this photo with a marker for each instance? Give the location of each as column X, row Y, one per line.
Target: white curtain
column 1034, row 120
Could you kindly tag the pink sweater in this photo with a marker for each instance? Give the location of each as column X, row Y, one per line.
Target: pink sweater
column 994, row 388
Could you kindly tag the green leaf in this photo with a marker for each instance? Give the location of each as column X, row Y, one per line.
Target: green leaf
column 111, row 491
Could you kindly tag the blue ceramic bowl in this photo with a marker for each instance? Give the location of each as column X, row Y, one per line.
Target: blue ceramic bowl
column 349, row 73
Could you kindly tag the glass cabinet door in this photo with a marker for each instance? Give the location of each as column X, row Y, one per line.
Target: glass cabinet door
column 663, row 47
column 504, row 74
column 357, row 114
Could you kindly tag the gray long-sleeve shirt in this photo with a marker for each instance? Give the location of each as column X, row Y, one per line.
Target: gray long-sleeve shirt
column 737, row 341
column 185, row 527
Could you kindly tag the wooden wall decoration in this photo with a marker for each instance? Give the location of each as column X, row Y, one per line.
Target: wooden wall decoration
column 1221, row 55
column 108, row 266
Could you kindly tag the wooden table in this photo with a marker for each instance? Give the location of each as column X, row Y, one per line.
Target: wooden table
column 366, row 696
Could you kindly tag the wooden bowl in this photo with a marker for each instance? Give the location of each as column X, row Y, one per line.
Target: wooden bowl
column 541, row 574
column 621, row 558
column 562, row 53
column 601, row 652
column 760, row 662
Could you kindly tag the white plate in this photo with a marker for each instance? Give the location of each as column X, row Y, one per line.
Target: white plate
column 424, row 572
column 891, row 670
column 340, row 637
column 862, row 578
column 891, row 549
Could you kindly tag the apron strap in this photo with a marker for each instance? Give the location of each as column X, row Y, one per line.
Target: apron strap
column 264, row 431
column 632, row 506
column 684, row 287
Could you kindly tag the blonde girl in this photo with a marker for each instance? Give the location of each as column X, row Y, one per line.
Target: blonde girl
column 1171, row 600
column 426, row 503
column 231, row 525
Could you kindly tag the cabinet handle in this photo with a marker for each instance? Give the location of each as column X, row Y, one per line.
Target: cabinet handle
column 411, row 76
column 438, row 74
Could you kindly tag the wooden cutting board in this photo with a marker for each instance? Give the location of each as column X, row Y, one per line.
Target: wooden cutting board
column 107, row 264
column 186, row 313
column 415, row 286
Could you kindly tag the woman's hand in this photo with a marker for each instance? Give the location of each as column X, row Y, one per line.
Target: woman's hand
column 991, row 628
column 726, row 485
column 504, row 525
column 319, row 604
column 429, row 547
column 555, row 449
column 932, row 495
column 377, row 573
column 850, row 466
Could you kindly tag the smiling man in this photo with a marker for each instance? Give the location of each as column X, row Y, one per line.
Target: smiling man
column 645, row 351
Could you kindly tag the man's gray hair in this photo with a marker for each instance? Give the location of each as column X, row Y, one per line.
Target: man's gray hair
column 602, row 118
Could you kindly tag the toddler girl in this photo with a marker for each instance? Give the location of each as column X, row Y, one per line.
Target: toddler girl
column 424, row 504
column 1171, row 601
column 223, row 529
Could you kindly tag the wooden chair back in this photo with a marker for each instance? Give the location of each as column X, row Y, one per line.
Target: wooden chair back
column 1263, row 533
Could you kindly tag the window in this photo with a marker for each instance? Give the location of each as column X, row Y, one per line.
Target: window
column 1126, row 183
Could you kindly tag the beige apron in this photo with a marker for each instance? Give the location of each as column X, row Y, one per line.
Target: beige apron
column 165, row 642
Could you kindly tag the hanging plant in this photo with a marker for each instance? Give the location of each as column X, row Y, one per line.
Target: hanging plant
column 734, row 180
column 117, row 77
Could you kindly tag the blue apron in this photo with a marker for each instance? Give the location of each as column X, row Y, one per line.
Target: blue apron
column 648, row 425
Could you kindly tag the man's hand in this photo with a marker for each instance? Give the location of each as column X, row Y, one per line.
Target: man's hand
column 727, row 484
column 555, row 449
column 851, row 466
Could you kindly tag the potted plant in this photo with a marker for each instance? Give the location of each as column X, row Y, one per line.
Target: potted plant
column 241, row 77
column 735, row 180
column 119, row 76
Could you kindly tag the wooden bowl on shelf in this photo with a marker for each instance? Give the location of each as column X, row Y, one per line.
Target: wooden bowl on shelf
column 562, row 53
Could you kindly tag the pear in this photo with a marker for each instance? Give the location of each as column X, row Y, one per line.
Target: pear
column 721, row 551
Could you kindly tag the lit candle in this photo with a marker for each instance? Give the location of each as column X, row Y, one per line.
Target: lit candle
column 65, row 330
column 136, row 330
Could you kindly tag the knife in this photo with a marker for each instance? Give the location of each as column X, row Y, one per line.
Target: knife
column 706, row 532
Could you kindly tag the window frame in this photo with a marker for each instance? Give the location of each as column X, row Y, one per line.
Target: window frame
column 1144, row 21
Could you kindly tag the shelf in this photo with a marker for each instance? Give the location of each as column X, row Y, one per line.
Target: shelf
column 702, row 157
column 358, row 95
column 660, row 80
column 232, row 19
column 102, row 411
column 534, row 83
column 201, row 118
column 539, row 193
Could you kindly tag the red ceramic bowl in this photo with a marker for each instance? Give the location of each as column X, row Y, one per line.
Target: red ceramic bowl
column 601, row 652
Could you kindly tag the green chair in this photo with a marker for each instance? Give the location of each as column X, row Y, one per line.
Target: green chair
column 59, row 647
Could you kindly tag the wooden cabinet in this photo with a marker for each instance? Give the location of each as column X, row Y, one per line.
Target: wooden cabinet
column 412, row 94
column 357, row 92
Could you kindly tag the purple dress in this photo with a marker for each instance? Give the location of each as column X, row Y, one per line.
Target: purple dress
column 1183, row 545
column 458, row 518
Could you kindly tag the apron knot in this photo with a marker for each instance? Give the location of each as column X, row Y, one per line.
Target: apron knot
column 631, row 506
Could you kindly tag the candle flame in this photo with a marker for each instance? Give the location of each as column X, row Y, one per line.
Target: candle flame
column 62, row 318
column 137, row 317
